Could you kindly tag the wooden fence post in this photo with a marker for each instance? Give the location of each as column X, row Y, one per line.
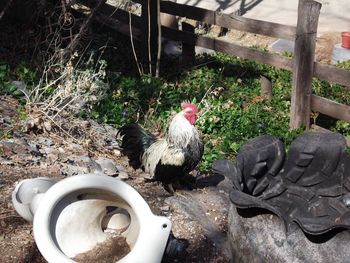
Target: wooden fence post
column 266, row 87
column 149, row 42
column 303, row 67
column 188, row 51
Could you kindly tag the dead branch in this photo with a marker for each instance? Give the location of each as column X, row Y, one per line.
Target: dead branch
column 132, row 46
column 7, row 6
column 159, row 39
column 72, row 46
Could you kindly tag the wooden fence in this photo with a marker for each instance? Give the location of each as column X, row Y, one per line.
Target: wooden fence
column 302, row 64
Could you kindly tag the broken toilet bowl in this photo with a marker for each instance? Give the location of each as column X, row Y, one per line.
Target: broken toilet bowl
column 71, row 216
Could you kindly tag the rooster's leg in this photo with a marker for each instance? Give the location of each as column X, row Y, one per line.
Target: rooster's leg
column 169, row 188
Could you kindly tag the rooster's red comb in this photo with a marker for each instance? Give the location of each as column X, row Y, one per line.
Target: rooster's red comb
column 187, row 104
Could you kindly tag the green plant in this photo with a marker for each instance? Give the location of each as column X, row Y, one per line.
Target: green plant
column 6, row 86
column 228, row 93
column 344, row 64
column 227, row 90
column 25, row 74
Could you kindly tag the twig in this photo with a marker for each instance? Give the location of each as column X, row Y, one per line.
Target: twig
column 103, row 51
column 63, row 130
column 68, row 103
column 37, row 96
column 7, row 6
column 72, row 46
column 149, row 37
column 64, row 8
column 206, row 94
column 159, row 38
column 82, row 54
column 202, row 102
column 132, row 45
column 203, row 64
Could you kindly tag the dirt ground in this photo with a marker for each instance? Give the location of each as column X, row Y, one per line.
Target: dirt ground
column 198, row 216
column 324, row 42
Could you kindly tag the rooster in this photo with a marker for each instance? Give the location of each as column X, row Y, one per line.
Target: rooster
column 168, row 159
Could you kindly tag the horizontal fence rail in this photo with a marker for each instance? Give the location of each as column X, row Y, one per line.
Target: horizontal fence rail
column 229, row 48
column 119, row 20
column 229, row 21
column 330, row 108
column 332, row 74
column 320, row 71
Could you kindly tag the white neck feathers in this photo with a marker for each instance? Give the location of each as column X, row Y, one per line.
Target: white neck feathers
column 181, row 131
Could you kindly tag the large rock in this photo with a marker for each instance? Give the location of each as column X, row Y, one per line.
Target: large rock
column 262, row 238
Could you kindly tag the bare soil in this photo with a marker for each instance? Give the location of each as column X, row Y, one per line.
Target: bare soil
column 324, row 42
column 198, row 216
column 112, row 250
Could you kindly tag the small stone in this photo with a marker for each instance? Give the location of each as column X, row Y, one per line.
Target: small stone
column 61, row 150
column 70, row 170
column 7, row 148
column 47, row 125
column 90, row 164
column 74, row 146
column 165, row 208
column 52, row 157
column 120, row 167
column 55, row 168
column 6, row 162
column 123, row 175
column 117, row 153
column 145, row 175
column 45, row 141
column 107, row 166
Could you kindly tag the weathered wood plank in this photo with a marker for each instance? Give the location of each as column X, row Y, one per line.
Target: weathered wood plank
column 192, row 12
column 188, row 50
column 118, row 26
column 229, row 48
column 114, row 12
column 332, row 74
column 229, row 21
column 330, row 108
column 303, row 67
column 120, row 15
column 256, row 26
column 145, row 37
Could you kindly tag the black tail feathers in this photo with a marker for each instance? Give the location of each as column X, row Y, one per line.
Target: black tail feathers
column 135, row 141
